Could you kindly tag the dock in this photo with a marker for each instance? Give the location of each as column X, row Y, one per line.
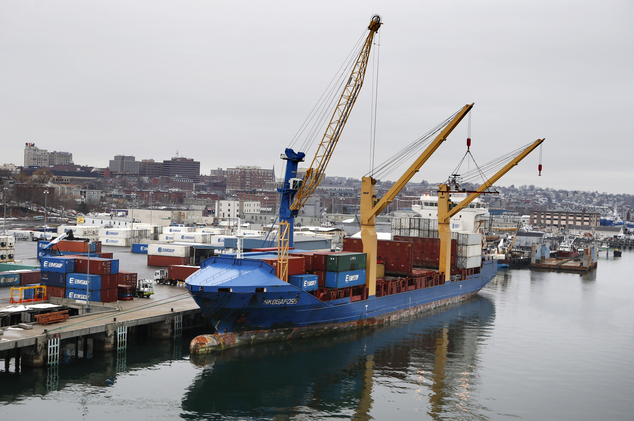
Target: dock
column 563, row 265
column 105, row 325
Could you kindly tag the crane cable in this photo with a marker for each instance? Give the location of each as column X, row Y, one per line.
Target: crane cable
column 312, row 127
column 374, row 104
column 396, row 160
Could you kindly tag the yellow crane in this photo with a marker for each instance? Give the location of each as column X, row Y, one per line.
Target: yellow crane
column 371, row 207
column 295, row 194
column 446, row 209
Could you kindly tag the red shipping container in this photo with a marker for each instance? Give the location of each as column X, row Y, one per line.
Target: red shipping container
column 127, row 278
column 56, row 292
column 309, row 257
column 97, row 266
column 296, row 265
column 76, row 246
column 110, row 295
column 397, row 255
column 426, row 251
column 319, row 258
column 166, row 261
column 106, row 255
column 28, row 277
column 110, row 281
column 180, row 272
column 321, row 278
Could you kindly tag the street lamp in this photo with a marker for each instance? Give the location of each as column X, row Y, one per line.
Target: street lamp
column 151, row 217
column 4, row 220
column 45, row 210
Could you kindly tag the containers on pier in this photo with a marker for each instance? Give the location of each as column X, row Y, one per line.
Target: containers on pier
column 8, row 279
column 57, row 264
column 172, row 250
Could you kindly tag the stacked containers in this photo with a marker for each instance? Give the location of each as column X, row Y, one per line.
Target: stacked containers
column 469, row 252
column 192, row 237
column 8, row 279
column 93, row 280
column 169, row 254
column 345, row 270
column 7, row 248
column 53, row 271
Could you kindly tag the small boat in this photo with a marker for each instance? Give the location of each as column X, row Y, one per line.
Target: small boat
column 567, row 249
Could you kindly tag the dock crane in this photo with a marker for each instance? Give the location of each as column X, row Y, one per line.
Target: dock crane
column 371, row 206
column 295, row 192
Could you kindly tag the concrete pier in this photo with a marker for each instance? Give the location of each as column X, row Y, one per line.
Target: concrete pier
column 142, row 316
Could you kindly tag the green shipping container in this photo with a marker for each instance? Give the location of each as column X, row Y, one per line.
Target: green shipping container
column 344, row 262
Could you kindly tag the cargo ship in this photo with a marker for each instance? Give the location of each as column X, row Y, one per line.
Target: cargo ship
column 288, row 294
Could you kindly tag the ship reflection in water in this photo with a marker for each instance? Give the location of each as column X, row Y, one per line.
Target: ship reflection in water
column 433, row 358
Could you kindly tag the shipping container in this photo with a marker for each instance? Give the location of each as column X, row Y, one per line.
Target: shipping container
column 115, row 232
column 319, row 258
column 76, row 246
column 173, row 250
column 82, row 280
column 345, row 279
column 95, row 266
column 102, row 295
column 469, row 251
column 53, row 279
column 166, row 237
column 192, row 237
column 468, row 262
column 139, row 248
column 105, row 255
column 167, row 230
column 180, row 272
column 345, row 262
column 58, row 292
column 306, row 282
column 29, row 277
column 57, row 264
column 165, row 261
column 309, row 257
column 114, row 241
column 469, row 239
column 127, row 278
column 396, row 255
column 296, row 264
column 9, row 279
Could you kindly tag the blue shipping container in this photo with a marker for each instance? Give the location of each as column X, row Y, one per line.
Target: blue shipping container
column 79, row 281
column 114, row 266
column 139, row 248
column 345, row 279
column 305, row 282
column 53, row 279
column 79, row 294
column 9, row 279
column 58, row 264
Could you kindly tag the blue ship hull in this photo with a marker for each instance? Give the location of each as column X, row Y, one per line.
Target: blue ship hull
column 247, row 303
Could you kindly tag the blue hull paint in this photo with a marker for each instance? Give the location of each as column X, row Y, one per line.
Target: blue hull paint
column 225, row 288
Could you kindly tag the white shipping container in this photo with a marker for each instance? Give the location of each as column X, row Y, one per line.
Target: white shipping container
column 468, row 262
column 210, row 230
column 115, row 232
column 176, row 250
column 469, row 251
column 469, row 238
column 192, row 237
column 115, row 241
column 166, row 237
column 167, row 230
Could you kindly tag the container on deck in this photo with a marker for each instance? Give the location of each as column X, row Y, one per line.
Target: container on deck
column 345, row 279
column 306, row 282
column 345, row 262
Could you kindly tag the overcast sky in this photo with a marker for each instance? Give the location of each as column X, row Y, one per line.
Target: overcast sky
column 230, row 83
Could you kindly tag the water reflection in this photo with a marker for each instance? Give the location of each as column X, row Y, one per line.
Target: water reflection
column 435, row 356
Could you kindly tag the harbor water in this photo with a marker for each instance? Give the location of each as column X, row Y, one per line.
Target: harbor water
column 531, row 346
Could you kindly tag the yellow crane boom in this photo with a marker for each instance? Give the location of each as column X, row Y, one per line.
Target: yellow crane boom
column 446, row 211
column 371, row 207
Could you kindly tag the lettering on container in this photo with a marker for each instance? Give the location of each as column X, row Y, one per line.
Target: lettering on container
column 279, row 301
column 309, row 283
column 48, row 264
column 77, row 281
column 166, row 250
column 350, row 278
column 112, row 233
column 76, row 296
